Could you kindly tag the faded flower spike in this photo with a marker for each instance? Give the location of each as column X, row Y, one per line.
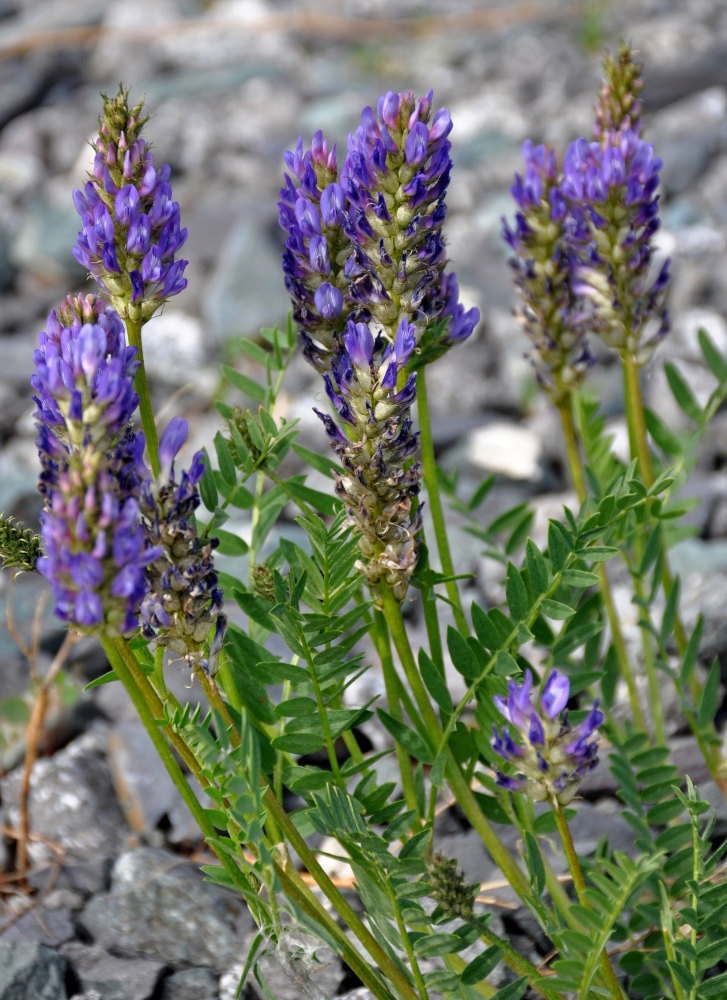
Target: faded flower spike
column 550, row 757
column 92, row 469
column 184, row 601
column 378, row 489
column 612, row 186
column 131, row 228
column 543, row 263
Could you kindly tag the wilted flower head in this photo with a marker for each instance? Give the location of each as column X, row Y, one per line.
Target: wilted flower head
column 184, row 600
column 131, row 228
column 551, row 758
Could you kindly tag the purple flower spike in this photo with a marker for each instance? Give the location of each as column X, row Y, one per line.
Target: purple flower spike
column 551, row 757
column 92, row 469
column 127, row 211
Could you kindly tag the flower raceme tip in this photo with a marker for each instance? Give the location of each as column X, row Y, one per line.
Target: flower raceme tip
column 551, row 757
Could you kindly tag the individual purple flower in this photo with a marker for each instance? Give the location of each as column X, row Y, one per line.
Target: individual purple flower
column 543, row 263
column 549, row 756
column 182, row 606
column 131, row 231
column 459, row 322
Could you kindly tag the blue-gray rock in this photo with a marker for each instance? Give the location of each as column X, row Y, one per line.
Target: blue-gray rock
column 160, row 907
column 42, row 926
column 113, row 978
column 190, row 984
column 72, row 802
column 246, row 291
column 29, row 969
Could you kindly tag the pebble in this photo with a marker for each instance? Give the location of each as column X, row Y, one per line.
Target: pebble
column 159, row 907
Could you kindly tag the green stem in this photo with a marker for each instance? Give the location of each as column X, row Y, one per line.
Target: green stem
column 639, row 443
column 338, row 901
column 393, row 690
column 121, row 658
column 580, row 886
column 429, row 463
column 141, row 385
column 406, row 942
column 578, row 478
column 462, row 792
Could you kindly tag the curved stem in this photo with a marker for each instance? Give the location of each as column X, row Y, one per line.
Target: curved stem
column 429, row 463
column 141, row 385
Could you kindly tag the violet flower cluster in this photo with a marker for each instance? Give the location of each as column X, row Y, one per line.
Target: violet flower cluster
column 364, row 265
column 183, row 602
column 583, row 239
column 550, row 757
column 96, row 551
column 543, row 262
column 131, row 228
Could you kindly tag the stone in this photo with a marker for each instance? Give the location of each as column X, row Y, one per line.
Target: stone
column 189, row 984
column 42, row 925
column 159, row 907
column 112, row 978
column 29, row 969
column 144, row 789
column 72, row 802
column 246, row 290
column 505, row 448
column 298, row 965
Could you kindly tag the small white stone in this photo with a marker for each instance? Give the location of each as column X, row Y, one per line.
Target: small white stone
column 505, row 448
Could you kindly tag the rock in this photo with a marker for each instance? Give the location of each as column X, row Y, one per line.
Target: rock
column 29, row 969
column 113, row 978
column 190, row 984
column 145, row 791
column 44, row 926
column 72, row 802
column 506, row 449
column 246, row 291
column 298, row 965
column 160, row 907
